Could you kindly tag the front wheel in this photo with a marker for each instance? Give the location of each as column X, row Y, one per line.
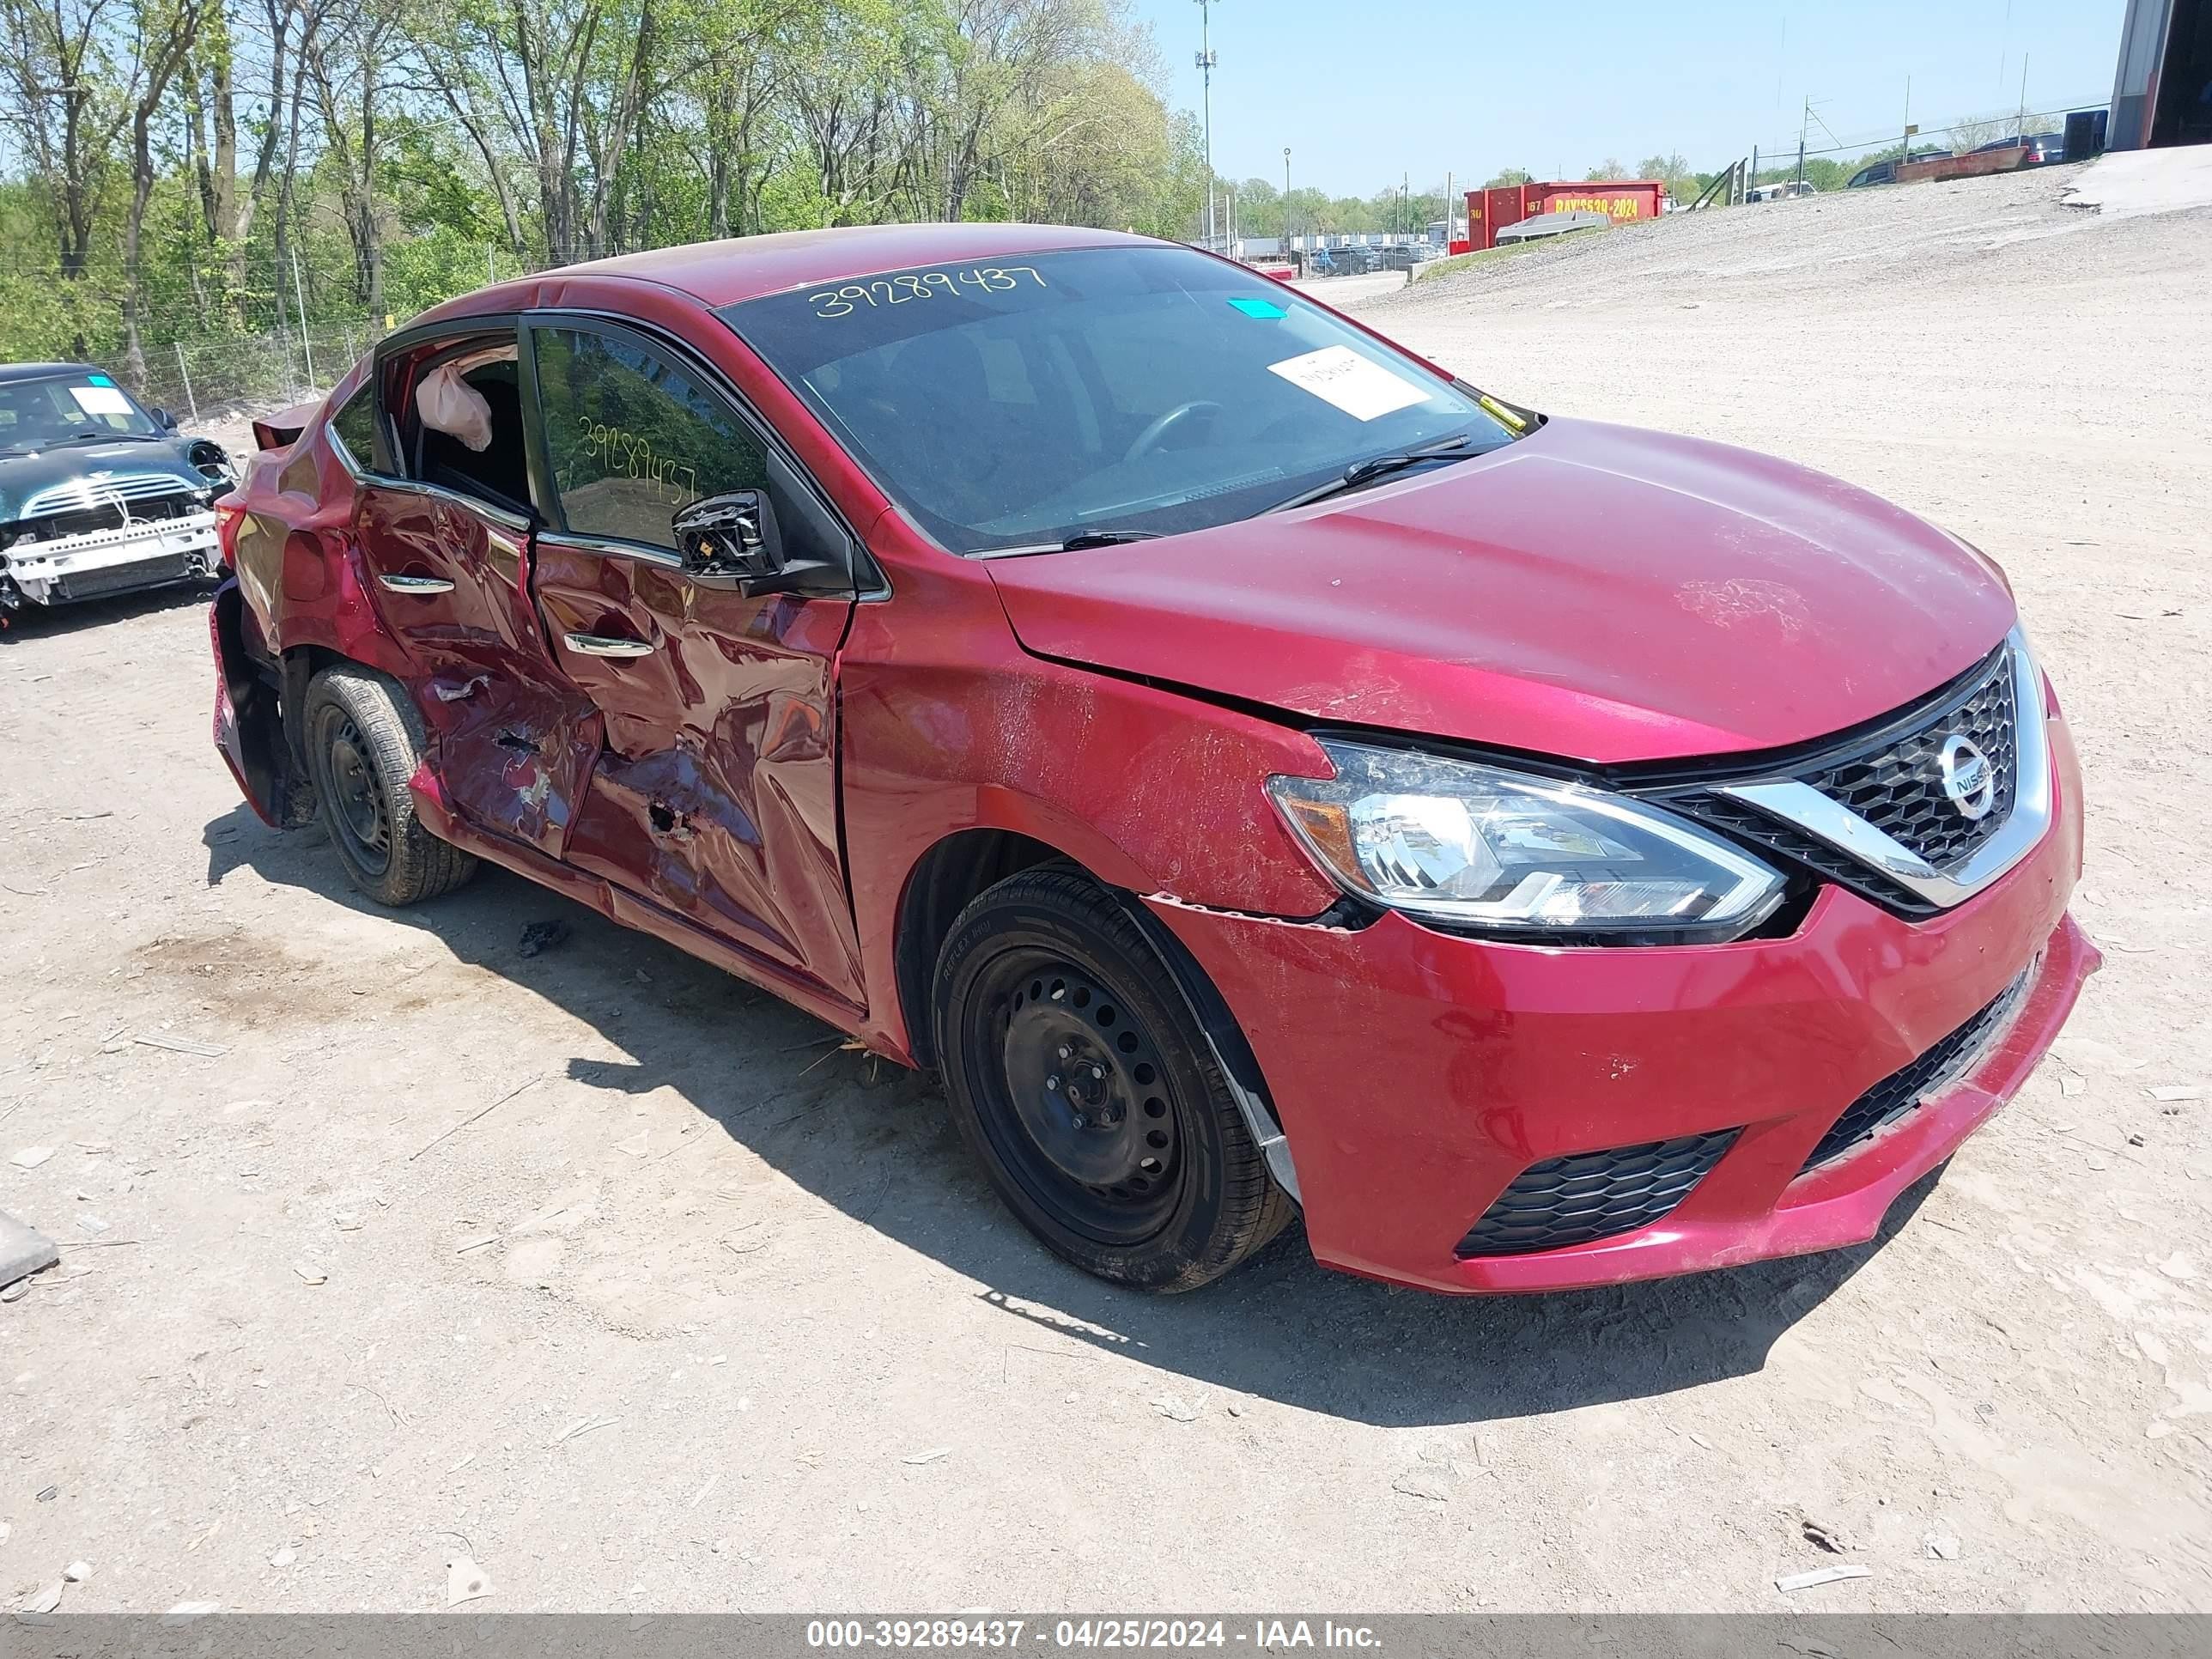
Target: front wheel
column 1077, row 1073
column 363, row 744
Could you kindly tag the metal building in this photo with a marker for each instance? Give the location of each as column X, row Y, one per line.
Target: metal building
column 2163, row 94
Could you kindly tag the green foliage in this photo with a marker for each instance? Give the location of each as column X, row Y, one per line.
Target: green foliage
column 442, row 143
column 1823, row 172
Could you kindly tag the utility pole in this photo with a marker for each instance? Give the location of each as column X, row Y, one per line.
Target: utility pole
column 1205, row 63
column 1904, row 146
column 2020, row 127
column 1803, row 121
column 1286, row 199
column 306, row 349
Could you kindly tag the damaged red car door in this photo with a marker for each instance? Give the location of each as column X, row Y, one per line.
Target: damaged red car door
column 445, row 533
column 715, row 795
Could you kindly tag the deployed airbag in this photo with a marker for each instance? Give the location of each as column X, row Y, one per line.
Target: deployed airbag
column 448, row 403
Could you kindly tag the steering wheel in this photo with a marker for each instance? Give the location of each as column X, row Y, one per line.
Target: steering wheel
column 1149, row 438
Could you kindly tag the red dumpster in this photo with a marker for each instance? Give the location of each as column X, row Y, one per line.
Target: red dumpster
column 1489, row 211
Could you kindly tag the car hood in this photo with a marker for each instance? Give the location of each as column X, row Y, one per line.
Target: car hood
column 1591, row 592
column 23, row 476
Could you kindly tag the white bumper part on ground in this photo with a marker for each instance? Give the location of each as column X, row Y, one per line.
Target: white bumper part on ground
column 170, row 549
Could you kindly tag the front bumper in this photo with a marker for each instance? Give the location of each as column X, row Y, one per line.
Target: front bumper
column 106, row 561
column 1416, row 1074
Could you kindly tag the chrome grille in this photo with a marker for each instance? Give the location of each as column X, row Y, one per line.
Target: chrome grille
column 1898, row 788
column 1873, row 813
column 83, row 495
column 1793, row 844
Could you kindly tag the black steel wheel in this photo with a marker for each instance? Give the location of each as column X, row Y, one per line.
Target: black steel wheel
column 363, row 743
column 361, row 814
column 1087, row 1095
column 1077, row 1071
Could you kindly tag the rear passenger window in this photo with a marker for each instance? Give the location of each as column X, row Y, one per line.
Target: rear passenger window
column 633, row 438
column 354, row 425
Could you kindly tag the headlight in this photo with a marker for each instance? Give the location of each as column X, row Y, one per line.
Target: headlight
column 1503, row 851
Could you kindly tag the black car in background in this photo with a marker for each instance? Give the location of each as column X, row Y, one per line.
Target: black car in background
column 97, row 494
column 2043, row 148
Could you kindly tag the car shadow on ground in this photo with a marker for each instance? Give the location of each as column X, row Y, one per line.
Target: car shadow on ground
column 874, row 1140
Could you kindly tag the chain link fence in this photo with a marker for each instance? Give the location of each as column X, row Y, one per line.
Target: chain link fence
column 193, row 377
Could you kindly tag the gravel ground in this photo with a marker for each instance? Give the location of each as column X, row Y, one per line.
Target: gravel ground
column 632, row 1285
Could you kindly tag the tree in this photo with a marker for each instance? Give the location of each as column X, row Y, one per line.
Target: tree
column 346, row 96
column 67, row 110
column 161, row 35
column 175, row 163
column 1970, row 132
column 1508, row 179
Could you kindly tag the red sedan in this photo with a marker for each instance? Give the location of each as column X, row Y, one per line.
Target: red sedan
column 1262, row 774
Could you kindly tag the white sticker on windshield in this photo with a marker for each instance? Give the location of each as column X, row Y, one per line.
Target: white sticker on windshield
column 101, row 399
column 1339, row 375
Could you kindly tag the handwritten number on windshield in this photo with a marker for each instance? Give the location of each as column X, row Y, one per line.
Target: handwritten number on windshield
column 922, row 285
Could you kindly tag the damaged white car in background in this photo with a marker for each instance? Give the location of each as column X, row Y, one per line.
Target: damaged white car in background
column 98, row 495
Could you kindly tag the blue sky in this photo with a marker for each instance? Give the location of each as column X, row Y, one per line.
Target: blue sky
column 1364, row 93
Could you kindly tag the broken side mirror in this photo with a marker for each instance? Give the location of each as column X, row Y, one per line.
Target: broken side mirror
column 163, row 419
column 732, row 541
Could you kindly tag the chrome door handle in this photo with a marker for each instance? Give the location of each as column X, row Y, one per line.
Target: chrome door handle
column 416, row 584
column 601, row 645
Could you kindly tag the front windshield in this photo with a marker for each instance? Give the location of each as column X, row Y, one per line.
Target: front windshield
column 1027, row 401
column 63, row 409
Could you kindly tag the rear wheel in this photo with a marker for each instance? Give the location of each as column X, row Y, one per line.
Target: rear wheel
column 363, row 743
column 1079, row 1074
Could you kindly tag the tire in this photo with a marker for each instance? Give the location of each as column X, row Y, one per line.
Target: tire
column 364, row 741
column 1077, row 1073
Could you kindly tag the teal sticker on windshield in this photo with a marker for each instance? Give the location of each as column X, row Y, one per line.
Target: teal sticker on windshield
column 99, row 379
column 1265, row 310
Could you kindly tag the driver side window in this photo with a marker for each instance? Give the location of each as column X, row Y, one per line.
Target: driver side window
column 632, row 438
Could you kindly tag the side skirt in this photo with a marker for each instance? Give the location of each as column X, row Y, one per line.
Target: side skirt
column 628, row 909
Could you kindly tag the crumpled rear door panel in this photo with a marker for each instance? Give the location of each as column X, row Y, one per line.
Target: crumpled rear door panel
column 513, row 740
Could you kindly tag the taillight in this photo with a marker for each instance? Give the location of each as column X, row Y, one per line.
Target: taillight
column 227, row 515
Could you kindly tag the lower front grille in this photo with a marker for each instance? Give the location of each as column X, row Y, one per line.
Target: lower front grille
column 1592, row 1195
column 120, row 578
column 1905, row 1089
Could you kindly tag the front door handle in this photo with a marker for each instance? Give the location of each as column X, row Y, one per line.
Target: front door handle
column 603, row 645
column 417, row 584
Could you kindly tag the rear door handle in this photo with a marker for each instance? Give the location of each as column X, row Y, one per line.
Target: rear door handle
column 602, row 645
column 414, row 583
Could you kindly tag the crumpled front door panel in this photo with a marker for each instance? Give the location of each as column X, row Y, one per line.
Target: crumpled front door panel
column 716, row 794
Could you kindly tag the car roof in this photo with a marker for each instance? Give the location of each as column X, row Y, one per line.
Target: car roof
column 42, row 371
column 747, row 267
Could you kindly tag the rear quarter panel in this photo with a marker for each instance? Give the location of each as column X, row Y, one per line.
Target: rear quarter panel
column 299, row 572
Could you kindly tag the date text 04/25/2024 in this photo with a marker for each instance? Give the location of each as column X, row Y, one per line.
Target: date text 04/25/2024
column 1263, row 1635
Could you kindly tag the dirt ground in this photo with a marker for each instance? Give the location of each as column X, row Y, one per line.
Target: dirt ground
column 627, row 1283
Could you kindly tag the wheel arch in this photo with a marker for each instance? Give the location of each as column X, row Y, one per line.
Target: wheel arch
column 950, row 873
column 960, row 865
